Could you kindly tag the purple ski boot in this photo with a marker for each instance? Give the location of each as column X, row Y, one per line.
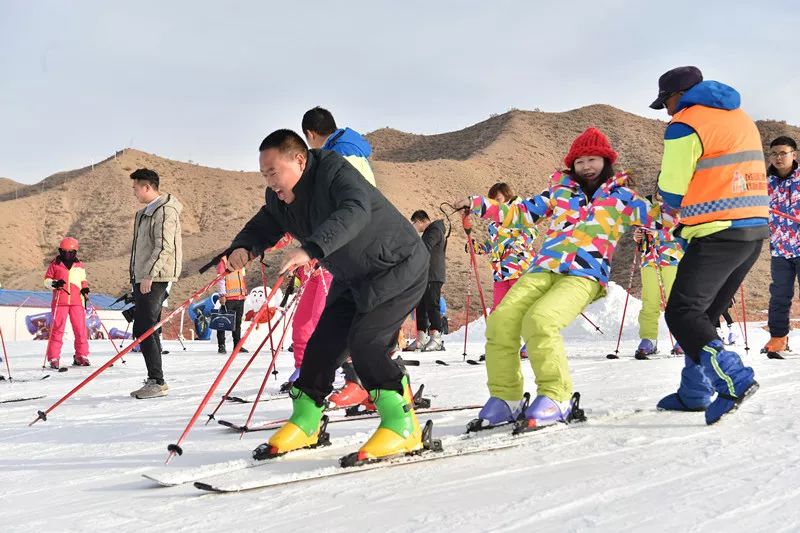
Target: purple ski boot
column 645, row 349
column 497, row 412
column 544, row 412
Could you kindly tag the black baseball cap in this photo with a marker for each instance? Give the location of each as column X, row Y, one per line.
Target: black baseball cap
column 674, row 81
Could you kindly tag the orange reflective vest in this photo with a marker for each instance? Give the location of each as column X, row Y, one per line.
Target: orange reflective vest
column 235, row 285
column 730, row 180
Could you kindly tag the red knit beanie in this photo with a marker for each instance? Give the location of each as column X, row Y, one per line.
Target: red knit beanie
column 590, row 142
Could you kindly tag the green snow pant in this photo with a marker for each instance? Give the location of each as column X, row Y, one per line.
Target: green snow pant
column 651, row 298
column 537, row 307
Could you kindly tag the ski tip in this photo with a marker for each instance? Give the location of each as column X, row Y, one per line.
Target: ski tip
column 440, row 362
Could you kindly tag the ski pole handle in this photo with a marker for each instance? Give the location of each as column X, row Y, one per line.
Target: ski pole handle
column 211, row 263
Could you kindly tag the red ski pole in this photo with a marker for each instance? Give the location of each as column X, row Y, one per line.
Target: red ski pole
column 269, row 319
column 270, row 367
column 664, row 301
column 595, row 326
column 615, row 355
column 466, row 323
column 131, row 346
column 176, row 448
column 5, row 355
column 272, row 328
column 108, row 335
column 467, row 223
column 744, row 319
column 50, row 333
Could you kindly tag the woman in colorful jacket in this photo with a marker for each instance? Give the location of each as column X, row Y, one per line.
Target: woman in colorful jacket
column 67, row 278
column 660, row 254
column 588, row 208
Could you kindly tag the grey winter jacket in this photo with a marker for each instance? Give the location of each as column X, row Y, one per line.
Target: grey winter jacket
column 156, row 251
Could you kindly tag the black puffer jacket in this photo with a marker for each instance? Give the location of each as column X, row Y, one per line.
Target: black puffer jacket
column 434, row 239
column 355, row 232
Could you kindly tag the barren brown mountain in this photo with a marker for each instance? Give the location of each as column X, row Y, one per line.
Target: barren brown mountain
column 95, row 204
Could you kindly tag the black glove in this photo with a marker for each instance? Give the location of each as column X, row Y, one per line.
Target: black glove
column 58, row 283
column 85, row 291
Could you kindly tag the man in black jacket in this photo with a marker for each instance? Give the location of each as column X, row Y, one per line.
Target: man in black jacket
column 380, row 270
column 429, row 318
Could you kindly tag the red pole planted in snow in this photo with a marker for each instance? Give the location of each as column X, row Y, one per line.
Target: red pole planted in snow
column 744, row 319
column 114, row 344
column 466, row 323
column 663, row 301
column 5, row 354
column 241, row 374
column 50, row 331
column 131, row 346
column 467, row 223
column 176, row 448
column 636, row 253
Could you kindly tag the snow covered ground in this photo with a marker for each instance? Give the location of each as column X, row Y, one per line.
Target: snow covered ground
column 81, row 470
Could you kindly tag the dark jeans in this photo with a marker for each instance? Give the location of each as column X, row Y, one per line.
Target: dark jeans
column 428, row 315
column 368, row 337
column 147, row 315
column 709, row 275
column 785, row 272
column 236, row 307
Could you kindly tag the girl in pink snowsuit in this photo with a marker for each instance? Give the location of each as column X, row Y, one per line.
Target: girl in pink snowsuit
column 312, row 302
column 67, row 278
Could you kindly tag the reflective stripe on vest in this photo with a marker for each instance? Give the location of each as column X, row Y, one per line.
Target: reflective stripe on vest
column 730, row 179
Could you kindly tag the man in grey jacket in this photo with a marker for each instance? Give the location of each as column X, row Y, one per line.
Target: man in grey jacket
column 156, row 257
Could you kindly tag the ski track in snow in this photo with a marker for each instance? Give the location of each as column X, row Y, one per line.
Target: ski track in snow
column 81, row 469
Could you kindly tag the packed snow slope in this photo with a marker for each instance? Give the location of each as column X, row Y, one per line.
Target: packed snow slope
column 628, row 468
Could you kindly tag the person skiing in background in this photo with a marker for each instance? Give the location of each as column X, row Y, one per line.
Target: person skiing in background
column 232, row 290
column 660, row 254
column 66, row 276
column 713, row 172
column 156, row 257
column 510, row 250
column 589, row 207
column 380, row 271
column 428, row 313
column 784, row 246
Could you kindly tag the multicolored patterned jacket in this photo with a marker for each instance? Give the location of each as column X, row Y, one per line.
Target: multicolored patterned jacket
column 583, row 232
column 660, row 246
column 784, row 196
column 511, row 249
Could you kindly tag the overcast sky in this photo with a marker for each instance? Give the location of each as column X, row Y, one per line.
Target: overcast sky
column 207, row 80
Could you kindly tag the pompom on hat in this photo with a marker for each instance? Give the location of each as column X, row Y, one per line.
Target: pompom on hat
column 590, row 142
